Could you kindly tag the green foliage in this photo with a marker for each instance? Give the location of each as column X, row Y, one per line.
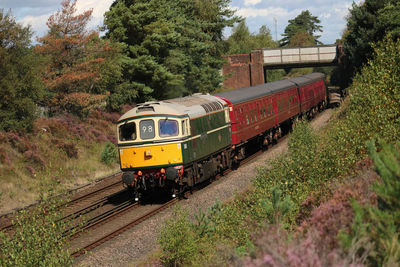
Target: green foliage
column 178, row 240
column 109, row 153
column 373, row 108
column 38, row 239
column 276, row 207
column 305, row 25
column 368, row 23
column 242, row 41
column 173, row 48
column 296, row 174
column 376, row 229
column 20, row 84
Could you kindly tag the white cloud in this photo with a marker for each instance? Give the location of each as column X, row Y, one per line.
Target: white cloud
column 261, row 12
column 37, row 23
column 251, row 2
column 325, row 15
column 99, row 8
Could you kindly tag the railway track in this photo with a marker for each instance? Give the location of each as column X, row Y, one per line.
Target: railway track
column 122, row 229
column 107, row 216
column 76, row 206
column 121, row 211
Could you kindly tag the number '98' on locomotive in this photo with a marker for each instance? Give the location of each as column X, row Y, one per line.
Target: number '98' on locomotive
column 172, row 145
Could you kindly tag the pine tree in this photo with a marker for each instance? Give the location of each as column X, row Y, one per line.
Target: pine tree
column 79, row 62
column 173, row 46
column 305, row 22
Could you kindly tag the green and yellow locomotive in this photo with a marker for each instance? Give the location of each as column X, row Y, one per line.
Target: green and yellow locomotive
column 174, row 144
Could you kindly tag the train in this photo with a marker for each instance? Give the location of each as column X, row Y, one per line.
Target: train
column 173, row 145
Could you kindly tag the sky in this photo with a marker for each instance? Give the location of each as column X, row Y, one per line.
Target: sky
column 272, row 13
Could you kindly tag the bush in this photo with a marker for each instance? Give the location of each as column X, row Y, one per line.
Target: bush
column 38, row 239
column 109, row 153
column 178, row 240
column 376, row 228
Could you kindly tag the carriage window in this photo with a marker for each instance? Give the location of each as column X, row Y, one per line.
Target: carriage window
column 127, row 131
column 183, row 127
column 146, row 129
column 168, row 128
column 247, row 118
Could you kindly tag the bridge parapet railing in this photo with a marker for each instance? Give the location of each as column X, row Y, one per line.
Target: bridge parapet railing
column 300, row 55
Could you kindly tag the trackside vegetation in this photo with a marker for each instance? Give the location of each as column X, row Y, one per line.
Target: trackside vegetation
column 295, row 189
column 38, row 239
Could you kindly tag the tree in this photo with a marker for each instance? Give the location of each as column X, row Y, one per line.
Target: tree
column 369, row 22
column 20, row 85
column 173, row 46
column 242, row 41
column 239, row 42
column 80, row 64
column 301, row 38
column 305, row 22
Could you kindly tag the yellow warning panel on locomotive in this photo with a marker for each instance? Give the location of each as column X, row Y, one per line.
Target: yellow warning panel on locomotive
column 148, row 156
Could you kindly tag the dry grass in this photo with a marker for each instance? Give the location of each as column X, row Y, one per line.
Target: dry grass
column 61, row 153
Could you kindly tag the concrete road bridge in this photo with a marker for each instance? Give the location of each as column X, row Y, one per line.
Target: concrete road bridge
column 245, row 70
column 299, row 57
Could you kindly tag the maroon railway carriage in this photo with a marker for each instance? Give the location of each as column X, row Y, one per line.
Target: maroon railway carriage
column 312, row 91
column 260, row 110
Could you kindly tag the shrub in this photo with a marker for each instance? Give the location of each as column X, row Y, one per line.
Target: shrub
column 70, row 149
column 38, row 239
column 77, row 103
column 276, row 248
column 109, row 153
column 376, row 228
column 178, row 240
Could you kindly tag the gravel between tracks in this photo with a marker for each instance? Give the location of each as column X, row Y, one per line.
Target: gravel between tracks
column 137, row 243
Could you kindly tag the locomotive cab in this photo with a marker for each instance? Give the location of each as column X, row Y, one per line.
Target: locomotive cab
column 166, row 144
column 150, row 147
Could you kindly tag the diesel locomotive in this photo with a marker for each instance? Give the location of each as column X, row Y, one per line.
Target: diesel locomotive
column 171, row 145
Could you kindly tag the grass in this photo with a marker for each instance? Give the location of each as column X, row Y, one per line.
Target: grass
column 61, row 153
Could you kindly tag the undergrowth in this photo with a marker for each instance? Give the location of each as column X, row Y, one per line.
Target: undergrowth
column 304, row 178
column 61, row 152
column 38, row 239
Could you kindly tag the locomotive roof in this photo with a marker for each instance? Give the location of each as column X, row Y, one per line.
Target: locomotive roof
column 254, row 92
column 194, row 106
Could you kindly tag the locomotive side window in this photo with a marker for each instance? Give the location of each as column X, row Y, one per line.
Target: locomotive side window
column 127, row 131
column 146, row 129
column 168, row 128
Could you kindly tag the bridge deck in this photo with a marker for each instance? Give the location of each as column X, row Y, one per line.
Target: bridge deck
column 300, row 56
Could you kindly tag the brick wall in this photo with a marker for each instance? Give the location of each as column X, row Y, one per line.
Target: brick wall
column 243, row 70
